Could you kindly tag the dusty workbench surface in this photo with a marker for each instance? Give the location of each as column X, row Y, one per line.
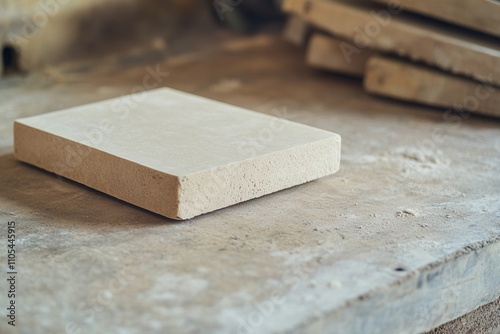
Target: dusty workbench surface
column 405, row 237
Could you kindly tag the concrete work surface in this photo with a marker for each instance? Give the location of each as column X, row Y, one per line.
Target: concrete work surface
column 176, row 154
column 404, row 238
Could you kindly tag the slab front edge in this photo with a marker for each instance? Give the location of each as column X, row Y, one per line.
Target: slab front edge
column 176, row 154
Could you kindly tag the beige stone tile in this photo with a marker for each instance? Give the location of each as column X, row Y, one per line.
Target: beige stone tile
column 176, row 154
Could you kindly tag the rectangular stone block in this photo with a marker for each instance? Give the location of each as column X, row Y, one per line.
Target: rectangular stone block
column 387, row 29
column 330, row 53
column 176, row 154
column 422, row 84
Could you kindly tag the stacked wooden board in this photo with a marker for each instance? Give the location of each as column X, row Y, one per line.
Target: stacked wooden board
column 439, row 54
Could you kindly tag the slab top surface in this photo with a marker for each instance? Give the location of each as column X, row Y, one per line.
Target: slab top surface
column 175, row 132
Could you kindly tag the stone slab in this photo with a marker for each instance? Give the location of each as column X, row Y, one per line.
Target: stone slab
column 482, row 16
column 389, row 30
column 331, row 53
column 174, row 153
column 419, row 83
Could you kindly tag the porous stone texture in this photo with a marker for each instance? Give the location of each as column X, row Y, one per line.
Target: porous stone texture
column 174, row 153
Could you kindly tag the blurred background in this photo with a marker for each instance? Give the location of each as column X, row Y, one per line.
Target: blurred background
column 411, row 86
column 38, row 33
column 454, row 46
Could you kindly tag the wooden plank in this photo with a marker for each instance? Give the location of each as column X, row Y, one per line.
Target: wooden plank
column 296, row 31
column 176, row 154
column 482, row 15
column 330, row 53
column 418, row 83
column 368, row 25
